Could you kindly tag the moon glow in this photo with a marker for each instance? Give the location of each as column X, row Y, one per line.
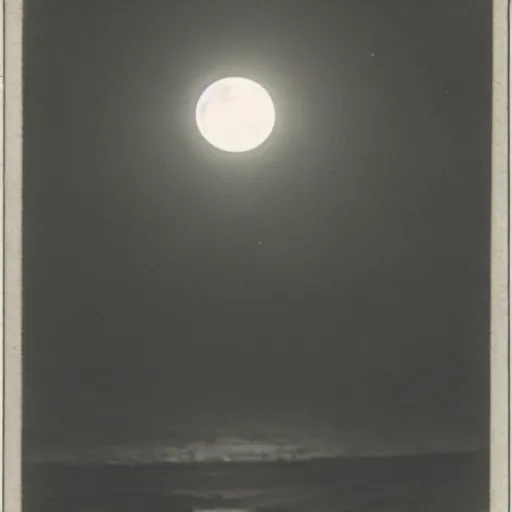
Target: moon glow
column 235, row 114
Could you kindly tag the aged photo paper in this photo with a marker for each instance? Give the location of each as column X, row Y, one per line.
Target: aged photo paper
column 255, row 256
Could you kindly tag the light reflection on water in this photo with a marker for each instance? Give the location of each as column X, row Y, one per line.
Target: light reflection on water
column 221, row 510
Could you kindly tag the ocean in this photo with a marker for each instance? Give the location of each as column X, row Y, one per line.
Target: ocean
column 427, row 483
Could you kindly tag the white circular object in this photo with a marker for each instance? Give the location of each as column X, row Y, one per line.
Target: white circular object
column 235, row 114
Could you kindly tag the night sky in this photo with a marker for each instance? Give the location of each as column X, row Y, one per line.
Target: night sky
column 331, row 284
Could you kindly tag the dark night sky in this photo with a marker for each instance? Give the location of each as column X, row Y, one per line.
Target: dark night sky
column 335, row 280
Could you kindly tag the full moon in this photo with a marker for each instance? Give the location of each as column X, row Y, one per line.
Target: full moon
column 235, row 114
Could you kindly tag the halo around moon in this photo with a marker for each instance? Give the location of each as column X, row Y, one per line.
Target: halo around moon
column 235, row 114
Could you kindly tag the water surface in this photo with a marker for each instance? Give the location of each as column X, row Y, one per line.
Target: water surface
column 434, row 483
